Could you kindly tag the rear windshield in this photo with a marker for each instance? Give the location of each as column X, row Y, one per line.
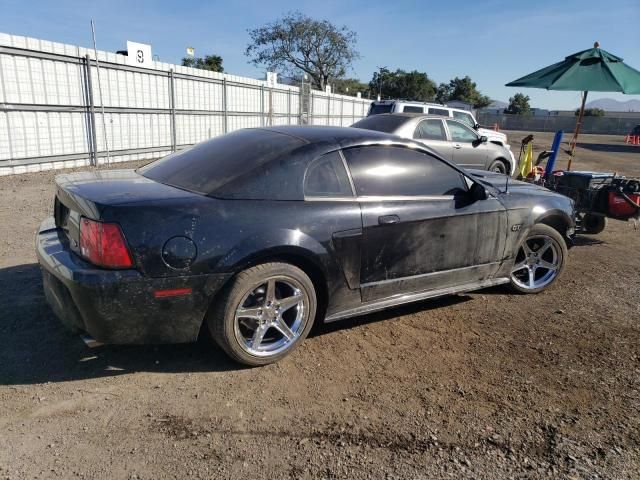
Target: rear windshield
column 236, row 165
column 381, row 123
column 377, row 109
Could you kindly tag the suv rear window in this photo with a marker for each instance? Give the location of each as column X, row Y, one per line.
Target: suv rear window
column 377, row 108
column 236, row 165
column 381, row 123
column 411, row 109
column 439, row 111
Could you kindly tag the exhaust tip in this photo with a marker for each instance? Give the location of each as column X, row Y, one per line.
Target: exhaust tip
column 90, row 342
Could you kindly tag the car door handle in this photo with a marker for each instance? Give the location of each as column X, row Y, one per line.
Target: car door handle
column 457, row 146
column 388, row 219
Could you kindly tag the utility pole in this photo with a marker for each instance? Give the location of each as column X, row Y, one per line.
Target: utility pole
column 380, row 69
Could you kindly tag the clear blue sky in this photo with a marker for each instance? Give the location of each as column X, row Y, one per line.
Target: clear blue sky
column 492, row 41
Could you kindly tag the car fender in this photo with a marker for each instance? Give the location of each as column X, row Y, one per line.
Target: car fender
column 274, row 243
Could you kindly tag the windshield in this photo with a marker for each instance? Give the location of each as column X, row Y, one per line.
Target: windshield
column 377, row 108
column 465, row 117
column 230, row 166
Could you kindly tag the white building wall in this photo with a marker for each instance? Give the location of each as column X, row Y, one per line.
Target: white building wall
column 45, row 115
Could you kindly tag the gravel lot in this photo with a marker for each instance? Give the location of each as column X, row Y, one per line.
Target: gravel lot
column 486, row 385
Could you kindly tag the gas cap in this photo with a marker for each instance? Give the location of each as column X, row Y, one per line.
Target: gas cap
column 179, row 252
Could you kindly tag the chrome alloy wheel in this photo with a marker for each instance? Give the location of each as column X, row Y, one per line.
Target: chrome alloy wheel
column 271, row 316
column 537, row 262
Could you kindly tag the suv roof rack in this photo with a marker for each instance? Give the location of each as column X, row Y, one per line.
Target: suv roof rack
column 411, row 101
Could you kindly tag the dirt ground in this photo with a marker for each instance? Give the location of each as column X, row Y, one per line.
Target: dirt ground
column 487, row 385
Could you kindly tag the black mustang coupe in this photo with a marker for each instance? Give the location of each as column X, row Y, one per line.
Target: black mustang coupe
column 261, row 232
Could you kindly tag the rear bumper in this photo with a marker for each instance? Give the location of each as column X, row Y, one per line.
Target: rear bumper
column 119, row 306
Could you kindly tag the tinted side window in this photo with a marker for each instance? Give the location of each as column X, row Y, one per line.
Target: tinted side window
column 326, row 177
column 397, row 171
column 410, row 109
column 461, row 133
column 439, row 111
column 464, row 117
column 430, row 130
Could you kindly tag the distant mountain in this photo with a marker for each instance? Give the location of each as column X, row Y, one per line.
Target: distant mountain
column 497, row 104
column 611, row 105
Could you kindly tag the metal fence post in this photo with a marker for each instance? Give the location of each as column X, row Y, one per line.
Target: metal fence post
column 270, row 115
column 225, row 125
column 262, row 105
column 172, row 109
column 310, row 114
column 341, row 111
column 92, row 143
column 289, row 106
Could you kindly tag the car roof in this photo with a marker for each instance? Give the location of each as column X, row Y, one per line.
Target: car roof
column 261, row 163
column 331, row 138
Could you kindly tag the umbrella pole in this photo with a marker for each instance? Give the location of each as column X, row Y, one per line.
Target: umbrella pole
column 574, row 140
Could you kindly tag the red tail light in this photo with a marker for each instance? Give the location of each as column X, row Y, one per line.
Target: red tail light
column 103, row 244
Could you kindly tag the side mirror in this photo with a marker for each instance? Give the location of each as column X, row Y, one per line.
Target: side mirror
column 478, row 192
column 484, row 139
column 476, row 126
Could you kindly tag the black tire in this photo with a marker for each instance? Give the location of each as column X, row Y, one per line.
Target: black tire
column 221, row 319
column 499, row 166
column 593, row 224
column 538, row 235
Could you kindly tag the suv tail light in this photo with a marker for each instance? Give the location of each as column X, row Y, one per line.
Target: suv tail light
column 103, row 244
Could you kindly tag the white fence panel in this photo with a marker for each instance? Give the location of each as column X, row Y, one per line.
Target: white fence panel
column 52, row 99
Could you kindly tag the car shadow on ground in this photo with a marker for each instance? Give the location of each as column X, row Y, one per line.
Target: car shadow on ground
column 586, row 241
column 607, row 147
column 36, row 348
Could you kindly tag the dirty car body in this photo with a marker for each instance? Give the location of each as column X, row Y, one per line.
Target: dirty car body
column 374, row 220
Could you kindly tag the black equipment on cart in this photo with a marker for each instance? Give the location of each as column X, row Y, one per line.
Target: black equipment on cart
column 597, row 196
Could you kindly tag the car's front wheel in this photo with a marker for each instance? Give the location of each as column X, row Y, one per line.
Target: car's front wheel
column 265, row 313
column 539, row 261
column 498, row 166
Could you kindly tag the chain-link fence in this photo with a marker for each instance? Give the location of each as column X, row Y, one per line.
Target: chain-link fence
column 52, row 99
column 552, row 123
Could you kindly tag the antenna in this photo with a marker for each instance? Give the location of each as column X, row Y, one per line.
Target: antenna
column 104, row 124
column 506, row 184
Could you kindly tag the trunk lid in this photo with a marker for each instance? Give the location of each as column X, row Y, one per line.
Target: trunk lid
column 96, row 195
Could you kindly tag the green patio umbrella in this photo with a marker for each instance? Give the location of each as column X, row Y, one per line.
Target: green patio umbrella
column 593, row 70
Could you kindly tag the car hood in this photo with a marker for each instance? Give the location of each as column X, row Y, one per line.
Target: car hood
column 499, row 182
column 492, row 134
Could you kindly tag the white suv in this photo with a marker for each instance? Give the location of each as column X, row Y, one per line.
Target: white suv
column 403, row 106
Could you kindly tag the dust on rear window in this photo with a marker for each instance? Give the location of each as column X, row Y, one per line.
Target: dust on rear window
column 236, row 165
column 381, row 123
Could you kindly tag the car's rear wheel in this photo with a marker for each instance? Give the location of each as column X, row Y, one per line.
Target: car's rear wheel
column 540, row 260
column 264, row 314
column 498, row 166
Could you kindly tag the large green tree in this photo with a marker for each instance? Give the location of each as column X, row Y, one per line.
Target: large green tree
column 209, row 62
column 464, row 90
column 519, row 105
column 297, row 42
column 349, row 86
column 412, row 85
